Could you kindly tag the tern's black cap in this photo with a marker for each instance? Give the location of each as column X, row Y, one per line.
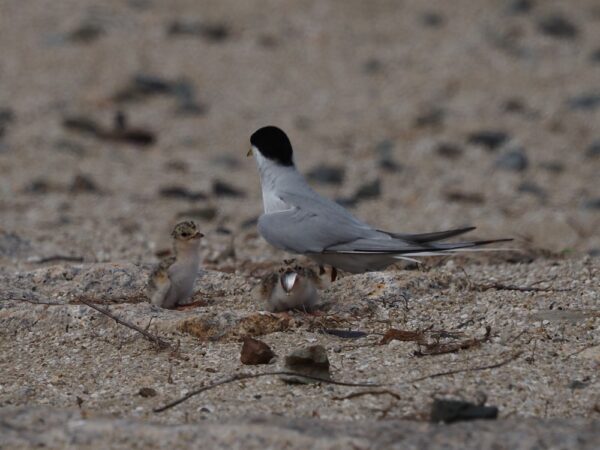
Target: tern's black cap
column 273, row 144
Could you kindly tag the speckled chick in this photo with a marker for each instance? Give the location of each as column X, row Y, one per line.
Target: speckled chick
column 291, row 287
column 172, row 281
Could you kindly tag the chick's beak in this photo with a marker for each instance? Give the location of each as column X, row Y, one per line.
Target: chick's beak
column 249, row 154
column 198, row 235
column 288, row 281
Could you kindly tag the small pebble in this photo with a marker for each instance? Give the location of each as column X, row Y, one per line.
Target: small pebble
column 584, row 102
column 327, row 174
column 147, row 392
column 593, row 150
column 592, row 203
column 520, row 6
column 491, row 139
column 449, row 150
column 255, row 352
column 514, row 160
column 311, row 361
column 558, row 26
column 222, row 189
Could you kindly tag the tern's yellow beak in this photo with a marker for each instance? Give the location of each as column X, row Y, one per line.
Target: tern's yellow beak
column 249, row 154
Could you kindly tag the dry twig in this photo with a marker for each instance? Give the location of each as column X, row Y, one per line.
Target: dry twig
column 245, row 376
column 473, row 369
column 161, row 343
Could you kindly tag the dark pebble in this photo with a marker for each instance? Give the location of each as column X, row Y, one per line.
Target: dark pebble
column 86, row 33
column 553, row 166
column 594, row 252
column 327, row 174
column 490, row 139
column 6, row 116
column 514, row 160
column 592, row 203
column 432, row 19
column 372, row 66
column 223, row 189
column 558, row 26
column 520, row 6
column 449, row 411
column 147, row 392
column 346, row 202
column 577, row 384
column 181, row 192
column 431, row 118
column 474, row 198
column 593, row 150
column 514, row 105
column 528, row 187
column 81, row 124
column 213, row 32
column 207, row 213
column 368, row 190
column 40, row 186
column 595, row 56
column 249, row 223
column 449, row 150
column 83, row 184
column 586, row 102
column 385, row 156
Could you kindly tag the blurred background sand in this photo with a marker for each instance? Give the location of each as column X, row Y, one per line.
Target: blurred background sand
column 444, row 113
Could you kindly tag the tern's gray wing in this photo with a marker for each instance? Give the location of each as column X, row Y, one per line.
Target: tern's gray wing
column 311, row 224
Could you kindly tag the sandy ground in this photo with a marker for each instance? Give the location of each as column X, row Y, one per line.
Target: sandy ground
column 385, row 91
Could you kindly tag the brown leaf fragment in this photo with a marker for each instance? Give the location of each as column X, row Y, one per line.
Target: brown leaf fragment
column 440, row 349
column 401, row 335
column 255, row 352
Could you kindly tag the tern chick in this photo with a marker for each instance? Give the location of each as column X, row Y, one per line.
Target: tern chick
column 298, row 220
column 172, row 281
column 291, row 288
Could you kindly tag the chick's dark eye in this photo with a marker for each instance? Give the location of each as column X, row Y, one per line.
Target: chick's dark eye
column 185, row 234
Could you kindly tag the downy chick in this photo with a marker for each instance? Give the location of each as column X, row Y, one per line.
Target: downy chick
column 290, row 288
column 172, row 281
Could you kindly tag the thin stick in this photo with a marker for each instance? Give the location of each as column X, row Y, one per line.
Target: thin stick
column 53, row 258
column 361, row 393
column 473, row 369
column 152, row 338
column 512, row 287
column 245, row 376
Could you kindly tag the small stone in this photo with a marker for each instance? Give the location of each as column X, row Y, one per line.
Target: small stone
column 557, row 26
column 372, row 66
column 255, row 352
column 449, row 411
column 86, row 33
column 368, row 190
column 514, row 160
column 491, row 139
column 432, row 19
column 83, row 184
column 181, row 192
column 584, row 102
column 577, row 384
column 520, row 6
column 147, row 392
column 529, row 187
column 553, row 166
column 593, row 150
column 207, row 213
column 385, row 154
column 223, row 189
column 327, row 174
column 432, row 117
column 213, row 32
column 310, row 361
column 595, row 56
column 449, row 150
column 592, row 203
